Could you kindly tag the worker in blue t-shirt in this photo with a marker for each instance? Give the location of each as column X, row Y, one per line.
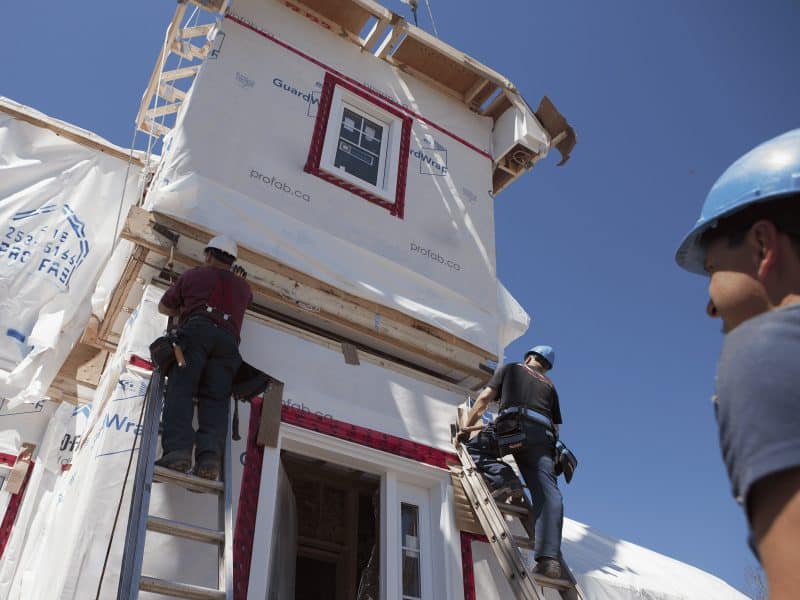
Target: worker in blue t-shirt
column 747, row 241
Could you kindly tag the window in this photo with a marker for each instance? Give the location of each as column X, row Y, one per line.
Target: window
column 412, row 584
column 361, row 143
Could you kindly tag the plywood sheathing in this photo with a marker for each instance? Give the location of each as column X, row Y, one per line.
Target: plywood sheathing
column 308, row 299
column 345, row 13
column 83, row 366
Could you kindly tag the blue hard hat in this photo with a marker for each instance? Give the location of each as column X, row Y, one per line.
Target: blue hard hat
column 546, row 352
column 766, row 172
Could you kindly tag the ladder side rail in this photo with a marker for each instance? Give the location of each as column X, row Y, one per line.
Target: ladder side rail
column 133, row 553
column 494, row 524
column 225, row 578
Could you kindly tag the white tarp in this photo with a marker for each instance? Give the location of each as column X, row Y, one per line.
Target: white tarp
column 609, row 569
column 59, row 204
column 234, row 164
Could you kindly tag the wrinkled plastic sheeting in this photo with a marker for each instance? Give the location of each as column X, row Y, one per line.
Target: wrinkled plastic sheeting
column 60, row 201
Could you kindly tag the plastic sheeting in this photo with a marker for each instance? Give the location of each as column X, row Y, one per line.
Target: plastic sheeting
column 234, row 164
column 59, row 204
column 609, row 569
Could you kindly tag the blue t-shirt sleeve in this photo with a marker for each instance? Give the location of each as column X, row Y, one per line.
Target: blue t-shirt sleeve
column 758, row 399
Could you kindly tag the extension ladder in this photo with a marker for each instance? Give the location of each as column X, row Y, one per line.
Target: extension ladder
column 140, row 521
column 505, row 545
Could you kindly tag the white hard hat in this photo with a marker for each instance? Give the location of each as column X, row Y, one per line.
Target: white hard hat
column 225, row 244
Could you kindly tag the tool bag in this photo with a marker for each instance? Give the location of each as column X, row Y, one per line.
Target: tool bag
column 162, row 352
column 248, row 383
column 566, row 462
column 509, row 432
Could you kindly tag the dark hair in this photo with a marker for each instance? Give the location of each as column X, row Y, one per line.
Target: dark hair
column 221, row 256
column 783, row 213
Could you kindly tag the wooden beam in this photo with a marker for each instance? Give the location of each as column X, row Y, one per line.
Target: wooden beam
column 121, row 292
column 294, row 290
column 88, row 140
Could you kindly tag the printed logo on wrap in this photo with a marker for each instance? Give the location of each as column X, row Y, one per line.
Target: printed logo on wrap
column 46, row 245
column 117, row 430
column 432, row 157
column 309, row 97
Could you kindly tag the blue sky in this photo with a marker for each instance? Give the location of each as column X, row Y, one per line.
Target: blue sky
column 663, row 95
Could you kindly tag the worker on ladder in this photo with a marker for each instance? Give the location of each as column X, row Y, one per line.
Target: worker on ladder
column 209, row 303
column 529, row 397
column 747, row 241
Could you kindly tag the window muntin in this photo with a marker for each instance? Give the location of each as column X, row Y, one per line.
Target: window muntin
column 360, row 150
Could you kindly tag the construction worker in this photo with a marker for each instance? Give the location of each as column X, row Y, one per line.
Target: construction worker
column 525, row 391
column 747, row 241
column 209, row 303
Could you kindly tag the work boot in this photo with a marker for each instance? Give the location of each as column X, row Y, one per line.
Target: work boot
column 176, row 460
column 207, row 466
column 548, row 567
column 510, row 492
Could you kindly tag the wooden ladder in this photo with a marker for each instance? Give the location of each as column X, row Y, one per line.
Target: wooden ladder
column 140, row 521
column 494, row 519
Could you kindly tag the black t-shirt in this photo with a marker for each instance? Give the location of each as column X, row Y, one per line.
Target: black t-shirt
column 519, row 385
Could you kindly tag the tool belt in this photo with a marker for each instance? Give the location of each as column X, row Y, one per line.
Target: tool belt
column 509, row 433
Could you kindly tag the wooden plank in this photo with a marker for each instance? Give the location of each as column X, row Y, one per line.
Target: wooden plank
column 137, row 229
column 179, row 590
column 345, row 14
column 465, row 517
column 270, row 423
column 155, row 76
column 196, row 31
column 185, row 530
column 458, row 57
column 435, row 65
column 93, row 142
column 398, row 29
column 120, row 293
column 472, row 93
column 161, row 111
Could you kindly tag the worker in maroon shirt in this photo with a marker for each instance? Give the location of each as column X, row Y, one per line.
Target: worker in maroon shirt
column 209, row 303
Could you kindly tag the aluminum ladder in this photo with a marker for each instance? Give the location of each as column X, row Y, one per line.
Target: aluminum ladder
column 140, row 521
column 505, row 545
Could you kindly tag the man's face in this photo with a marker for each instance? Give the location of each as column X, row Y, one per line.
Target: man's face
column 736, row 292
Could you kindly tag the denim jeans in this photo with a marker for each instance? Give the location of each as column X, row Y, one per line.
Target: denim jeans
column 536, row 464
column 212, row 358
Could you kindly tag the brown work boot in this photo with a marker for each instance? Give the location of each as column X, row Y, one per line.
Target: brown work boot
column 207, row 466
column 548, row 567
column 176, row 460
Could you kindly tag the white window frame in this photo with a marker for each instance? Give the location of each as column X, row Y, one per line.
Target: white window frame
column 397, row 474
column 389, row 160
column 419, row 497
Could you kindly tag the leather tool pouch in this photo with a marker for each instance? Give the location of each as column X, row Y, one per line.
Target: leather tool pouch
column 510, row 434
column 162, row 352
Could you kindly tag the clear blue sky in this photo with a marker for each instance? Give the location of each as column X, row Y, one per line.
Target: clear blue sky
column 663, row 95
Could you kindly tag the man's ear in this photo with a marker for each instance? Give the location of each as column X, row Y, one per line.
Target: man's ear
column 764, row 241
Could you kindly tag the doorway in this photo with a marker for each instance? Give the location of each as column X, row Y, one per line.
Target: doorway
column 338, row 518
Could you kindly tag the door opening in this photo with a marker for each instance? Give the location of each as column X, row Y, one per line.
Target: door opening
column 337, row 510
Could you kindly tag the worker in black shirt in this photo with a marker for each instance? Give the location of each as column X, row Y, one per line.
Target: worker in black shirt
column 524, row 389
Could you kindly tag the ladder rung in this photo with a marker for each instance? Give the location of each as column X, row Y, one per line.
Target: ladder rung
column 190, row 482
column 559, row 584
column 523, row 542
column 179, row 590
column 513, row 509
column 185, row 530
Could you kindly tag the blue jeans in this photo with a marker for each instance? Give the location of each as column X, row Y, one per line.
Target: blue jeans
column 212, row 358
column 536, row 464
